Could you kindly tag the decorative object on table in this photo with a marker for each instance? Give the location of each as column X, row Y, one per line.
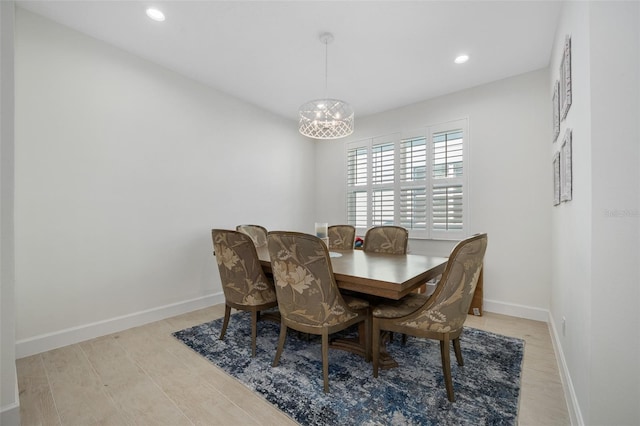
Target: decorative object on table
column 359, row 242
column 308, row 297
column 487, row 387
column 341, row 237
column 245, row 285
column 386, row 239
column 257, row 233
column 565, row 79
column 555, row 106
column 326, row 118
column 566, row 174
column 322, row 232
column 556, row 179
column 441, row 316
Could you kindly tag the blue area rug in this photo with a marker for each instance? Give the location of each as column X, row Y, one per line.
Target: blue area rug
column 487, row 387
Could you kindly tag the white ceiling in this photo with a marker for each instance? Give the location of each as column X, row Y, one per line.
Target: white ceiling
column 386, row 54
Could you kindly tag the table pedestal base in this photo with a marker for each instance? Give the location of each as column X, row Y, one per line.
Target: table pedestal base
column 357, row 346
column 385, row 361
column 349, row 345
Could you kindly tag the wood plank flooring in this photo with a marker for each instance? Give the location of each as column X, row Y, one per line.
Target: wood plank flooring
column 143, row 376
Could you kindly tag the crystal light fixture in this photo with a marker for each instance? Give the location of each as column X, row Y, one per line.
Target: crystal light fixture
column 326, row 118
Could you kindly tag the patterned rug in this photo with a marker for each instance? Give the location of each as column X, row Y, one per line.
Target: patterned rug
column 487, row 387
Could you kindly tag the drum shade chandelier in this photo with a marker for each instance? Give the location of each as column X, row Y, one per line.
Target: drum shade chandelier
column 326, row 118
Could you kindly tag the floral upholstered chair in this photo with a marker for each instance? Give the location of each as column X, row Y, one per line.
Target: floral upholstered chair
column 308, row 297
column 341, row 237
column 257, row 233
column 386, row 239
column 441, row 316
column 245, row 285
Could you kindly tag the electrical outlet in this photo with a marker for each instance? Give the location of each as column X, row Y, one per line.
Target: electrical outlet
column 564, row 326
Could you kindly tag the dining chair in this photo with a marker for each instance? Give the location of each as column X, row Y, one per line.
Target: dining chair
column 392, row 240
column 441, row 316
column 245, row 285
column 257, row 233
column 341, row 237
column 308, row 297
column 386, row 239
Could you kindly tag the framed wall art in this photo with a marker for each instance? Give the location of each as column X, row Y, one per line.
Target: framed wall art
column 565, row 79
column 566, row 178
column 555, row 103
column 556, row 179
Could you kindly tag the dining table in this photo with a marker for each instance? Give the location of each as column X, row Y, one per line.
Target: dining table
column 391, row 276
column 387, row 276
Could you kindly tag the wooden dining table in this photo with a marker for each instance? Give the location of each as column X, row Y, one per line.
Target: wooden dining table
column 392, row 276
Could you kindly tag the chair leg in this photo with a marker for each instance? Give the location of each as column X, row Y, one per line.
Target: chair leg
column 367, row 337
column 225, row 322
column 283, row 337
column 446, row 366
column 325, row 359
column 458, row 351
column 254, row 331
column 375, row 345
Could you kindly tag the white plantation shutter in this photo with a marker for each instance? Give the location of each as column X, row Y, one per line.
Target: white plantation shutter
column 418, row 182
column 383, row 166
column 413, row 183
column 357, row 208
column 413, row 159
column 357, row 166
column 447, row 188
column 382, row 207
column 447, row 208
column 383, row 173
column 447, row 154
column 357, row 182
column 413, row 208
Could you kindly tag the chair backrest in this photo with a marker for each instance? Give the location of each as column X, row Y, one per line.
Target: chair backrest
column 447, row 308
column 342, row 237
column 243, row 280
column 305, row 286
column 386, row 239
column 257, row 233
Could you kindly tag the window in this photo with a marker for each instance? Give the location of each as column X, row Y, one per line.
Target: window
column 416, row 180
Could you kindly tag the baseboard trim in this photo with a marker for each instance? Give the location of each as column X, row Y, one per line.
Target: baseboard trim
column 10, row 415
column 573, row 406
column 69, row 336
column 515, row 310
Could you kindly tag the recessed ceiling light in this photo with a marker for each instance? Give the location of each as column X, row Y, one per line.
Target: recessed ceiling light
column 461, row 59
column 155, row 14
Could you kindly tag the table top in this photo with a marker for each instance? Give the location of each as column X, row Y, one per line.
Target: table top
column 387, row 275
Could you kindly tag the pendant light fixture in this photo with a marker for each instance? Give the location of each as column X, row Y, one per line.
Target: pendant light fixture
column 326, row 118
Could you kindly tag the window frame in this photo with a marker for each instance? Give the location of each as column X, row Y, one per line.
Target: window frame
column 428, row 184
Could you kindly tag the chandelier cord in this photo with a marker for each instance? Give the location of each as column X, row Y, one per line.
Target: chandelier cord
column 326, row 68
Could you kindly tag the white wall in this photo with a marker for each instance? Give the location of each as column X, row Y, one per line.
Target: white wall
column 9, row 401
column 615, row 139
column 510, row 182
column 571, row 222
column 122, row 169
column 596, row 235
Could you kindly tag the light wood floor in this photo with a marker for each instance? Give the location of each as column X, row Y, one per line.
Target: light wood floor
column 144, row 376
